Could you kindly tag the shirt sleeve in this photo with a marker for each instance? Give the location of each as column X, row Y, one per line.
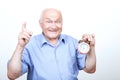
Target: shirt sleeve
column 25, row 61
column 81, row 60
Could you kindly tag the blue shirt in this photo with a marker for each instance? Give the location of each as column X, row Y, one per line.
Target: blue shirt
column 43, row 61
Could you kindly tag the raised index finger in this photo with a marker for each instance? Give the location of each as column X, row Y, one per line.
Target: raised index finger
column 24, row 26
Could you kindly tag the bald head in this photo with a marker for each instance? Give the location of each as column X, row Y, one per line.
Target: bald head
column 50, row 12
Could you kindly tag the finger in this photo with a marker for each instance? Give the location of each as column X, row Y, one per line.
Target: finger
column 25, row 38
column 90, row 37
column 29, row 32
column 24, row 35
column 93, row 35
column 84, row 37
column 24, row 26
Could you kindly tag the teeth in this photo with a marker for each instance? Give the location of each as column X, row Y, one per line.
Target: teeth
column 53, row 31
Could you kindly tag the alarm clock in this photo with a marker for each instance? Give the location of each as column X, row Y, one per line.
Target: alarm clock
column 83, row 47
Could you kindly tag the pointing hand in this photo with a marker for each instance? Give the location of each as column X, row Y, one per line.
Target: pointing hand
column 24, row 36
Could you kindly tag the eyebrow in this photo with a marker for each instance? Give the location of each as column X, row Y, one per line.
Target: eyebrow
column 48, row 18
column 51, row 20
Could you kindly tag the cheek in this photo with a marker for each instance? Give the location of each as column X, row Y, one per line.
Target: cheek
column 44, row 28
column 60, row 27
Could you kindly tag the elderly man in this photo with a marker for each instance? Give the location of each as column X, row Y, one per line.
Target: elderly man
column 50, row 55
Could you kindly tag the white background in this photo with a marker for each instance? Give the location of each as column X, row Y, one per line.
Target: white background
column 101, row 17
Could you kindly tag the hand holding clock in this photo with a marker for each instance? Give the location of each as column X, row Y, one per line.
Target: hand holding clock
column 87, row 42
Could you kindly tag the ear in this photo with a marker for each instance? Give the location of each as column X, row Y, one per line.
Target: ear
column 40, row 23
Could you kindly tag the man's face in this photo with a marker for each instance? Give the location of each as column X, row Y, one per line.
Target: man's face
column 51, row 24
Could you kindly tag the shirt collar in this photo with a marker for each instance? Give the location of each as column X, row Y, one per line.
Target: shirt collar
column 44, row 41
column 62, row 38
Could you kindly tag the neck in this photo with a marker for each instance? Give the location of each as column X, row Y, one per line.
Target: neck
column 53, row 41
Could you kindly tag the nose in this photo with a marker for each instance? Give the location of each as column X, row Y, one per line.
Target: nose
column 54, row 25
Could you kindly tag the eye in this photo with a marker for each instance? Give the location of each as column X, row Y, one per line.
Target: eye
column 57, row 22
column 48, row 21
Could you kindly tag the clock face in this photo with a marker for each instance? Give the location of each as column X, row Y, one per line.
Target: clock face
column 83, row 47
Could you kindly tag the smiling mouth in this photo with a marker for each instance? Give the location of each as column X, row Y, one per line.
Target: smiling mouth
column 53, row 31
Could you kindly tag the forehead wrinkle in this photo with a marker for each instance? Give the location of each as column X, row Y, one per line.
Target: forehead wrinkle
column 48, row 10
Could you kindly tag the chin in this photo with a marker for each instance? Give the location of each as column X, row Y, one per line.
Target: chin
column 53, row 37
